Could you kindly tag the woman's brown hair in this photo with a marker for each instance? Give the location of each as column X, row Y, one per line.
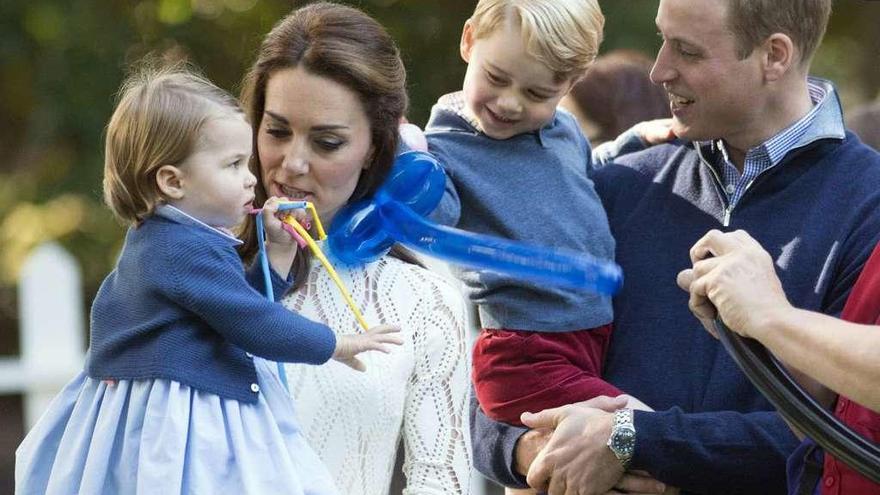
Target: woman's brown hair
column 350, row 47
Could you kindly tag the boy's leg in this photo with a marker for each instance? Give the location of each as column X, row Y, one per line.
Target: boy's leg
column 519, row 371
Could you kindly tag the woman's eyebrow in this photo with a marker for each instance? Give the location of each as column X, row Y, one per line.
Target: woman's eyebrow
column 277, row 117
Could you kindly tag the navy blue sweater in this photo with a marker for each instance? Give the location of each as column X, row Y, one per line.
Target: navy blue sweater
column 817, row 213
column 178, row 307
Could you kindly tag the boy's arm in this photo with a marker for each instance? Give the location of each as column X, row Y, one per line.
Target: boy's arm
column 448, row 212
column 494, row 447
column 637, row 138
column 607, row 152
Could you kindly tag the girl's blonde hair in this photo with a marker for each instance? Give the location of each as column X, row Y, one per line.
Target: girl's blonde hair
column 562, row 34
column 156, row 122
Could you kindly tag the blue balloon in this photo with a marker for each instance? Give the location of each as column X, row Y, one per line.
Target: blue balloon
column 364, row 231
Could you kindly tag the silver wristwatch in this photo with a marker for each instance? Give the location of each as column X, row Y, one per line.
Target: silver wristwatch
column 622, row 441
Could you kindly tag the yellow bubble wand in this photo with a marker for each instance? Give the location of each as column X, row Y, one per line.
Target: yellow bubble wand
column 295, row 229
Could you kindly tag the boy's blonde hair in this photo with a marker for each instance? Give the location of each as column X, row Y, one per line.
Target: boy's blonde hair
column 563, row 34
column 156, row 122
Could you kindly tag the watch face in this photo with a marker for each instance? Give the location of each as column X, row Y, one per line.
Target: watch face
column 623, row 441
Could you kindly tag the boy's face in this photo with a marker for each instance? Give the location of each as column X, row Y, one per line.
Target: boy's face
column 217, row 186
column 507, row 90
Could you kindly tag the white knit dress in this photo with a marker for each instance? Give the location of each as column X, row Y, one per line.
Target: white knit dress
column 354, row 420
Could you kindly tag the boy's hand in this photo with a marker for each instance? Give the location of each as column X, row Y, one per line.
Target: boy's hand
column 655, row 131
column 375, row 339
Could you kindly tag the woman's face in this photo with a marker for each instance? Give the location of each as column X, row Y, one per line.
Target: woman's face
column 313, row 140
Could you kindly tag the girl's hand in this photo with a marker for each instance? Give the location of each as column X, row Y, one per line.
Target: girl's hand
column 375, row 339
column 272, row 223
column 280, row 246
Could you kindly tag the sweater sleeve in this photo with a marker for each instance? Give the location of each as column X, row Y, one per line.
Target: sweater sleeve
column 210, row 283
column 435, row 425
column 628, row 142
column 744, row 452
column 493, row 445
column 448, row 212
column 280, row 286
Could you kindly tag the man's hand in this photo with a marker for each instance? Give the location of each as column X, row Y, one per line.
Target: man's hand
column 527, row 448
column 576, row 460
column 735, row 275
column 641, row 483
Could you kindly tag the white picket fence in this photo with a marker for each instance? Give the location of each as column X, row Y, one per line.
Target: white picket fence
column 51, row 330
column 52, row 333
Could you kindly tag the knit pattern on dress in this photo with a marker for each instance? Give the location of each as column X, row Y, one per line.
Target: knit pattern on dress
column 419, row 391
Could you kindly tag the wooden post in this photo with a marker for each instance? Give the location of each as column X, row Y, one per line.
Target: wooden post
column 51, row 315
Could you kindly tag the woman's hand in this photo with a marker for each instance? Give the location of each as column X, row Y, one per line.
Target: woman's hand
column 374, row 339
column 734, row 275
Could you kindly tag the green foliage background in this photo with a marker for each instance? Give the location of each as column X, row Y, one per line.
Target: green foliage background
column 62, row 61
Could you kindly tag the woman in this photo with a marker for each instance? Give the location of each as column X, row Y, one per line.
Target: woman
column 325, row 96
column 735, row 275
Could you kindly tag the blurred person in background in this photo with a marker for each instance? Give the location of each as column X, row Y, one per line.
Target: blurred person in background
column 615, row 94
column 864, row 120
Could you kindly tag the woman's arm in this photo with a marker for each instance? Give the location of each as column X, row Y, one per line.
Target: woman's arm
column 435, row 414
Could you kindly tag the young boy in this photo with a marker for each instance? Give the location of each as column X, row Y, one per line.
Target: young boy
column 518, row 168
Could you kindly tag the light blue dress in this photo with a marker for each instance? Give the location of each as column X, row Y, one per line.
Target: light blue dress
column 163, row 437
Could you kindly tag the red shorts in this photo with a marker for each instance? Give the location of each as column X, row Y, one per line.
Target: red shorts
column 517, row 371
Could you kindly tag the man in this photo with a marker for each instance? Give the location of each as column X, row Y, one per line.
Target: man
column 763, row 149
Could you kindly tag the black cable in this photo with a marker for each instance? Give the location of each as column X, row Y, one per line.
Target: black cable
column 798, row 407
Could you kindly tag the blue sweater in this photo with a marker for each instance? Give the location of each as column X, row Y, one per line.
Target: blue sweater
column 534, row 188
column 178, row 307
column 817, row 213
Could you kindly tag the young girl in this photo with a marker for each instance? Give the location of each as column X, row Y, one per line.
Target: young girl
column 172, row 398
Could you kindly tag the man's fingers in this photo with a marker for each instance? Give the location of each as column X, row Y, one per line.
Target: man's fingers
column 633, row 483
column 701, row 307
column 548, row 418
column 605, row 403
column 539, row 472
column 684, row 279
column 557, row 486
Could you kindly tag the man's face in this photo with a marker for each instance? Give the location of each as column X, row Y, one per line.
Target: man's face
column 712, row 93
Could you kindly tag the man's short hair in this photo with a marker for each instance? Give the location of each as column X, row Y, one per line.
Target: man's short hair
column 804, row 21
column 563, row 34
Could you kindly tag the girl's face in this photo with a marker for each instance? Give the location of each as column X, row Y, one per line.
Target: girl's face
column 314, row 140
column 215, row 183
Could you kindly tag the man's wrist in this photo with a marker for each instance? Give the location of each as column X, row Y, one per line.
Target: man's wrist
column 622, row 436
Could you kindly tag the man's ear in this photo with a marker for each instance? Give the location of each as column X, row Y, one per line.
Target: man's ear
column 170, row 181
column 467, row 41
column 779, row 55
